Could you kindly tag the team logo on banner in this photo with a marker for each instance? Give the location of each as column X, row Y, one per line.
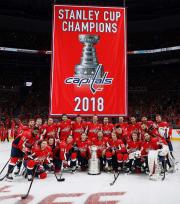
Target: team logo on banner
column 89, row 61
column 95, row 80
column 89, row 71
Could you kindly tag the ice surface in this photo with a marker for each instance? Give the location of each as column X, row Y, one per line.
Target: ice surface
column 129, row 189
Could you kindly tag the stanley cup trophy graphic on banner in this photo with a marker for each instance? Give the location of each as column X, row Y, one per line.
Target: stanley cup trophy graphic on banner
column 89, row 63
column 94, row 163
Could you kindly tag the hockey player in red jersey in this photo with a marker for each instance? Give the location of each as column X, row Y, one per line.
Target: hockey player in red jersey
column 25, row 127
column 147, row 122
column 64, row 128
column 150, row 143
column 32, row 134
column 42, row 129
column 83, row 147
column 144, row 127
column 145, row 147
column 101, row 143
column 20, row 127
column 39, row 125
column 133, row 126
column 59, row 155
column 93, row 127
column 160, row 152
column 21, row 146
column 52, row 145
column 165, row 131
column 123, row 125
column 31, row 123
column 116, row 153
column 107, row 128
column 143, row 130
column 12, row 128
column 37, row 160
column 50, row 130
column 65, row 155
column 121, row 129
column 78, row 127
column 71, row 153
column 2, row 130
column 133, row 148
column 124, row 136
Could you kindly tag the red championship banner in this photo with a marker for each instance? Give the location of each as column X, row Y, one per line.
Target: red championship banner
column 88, row 61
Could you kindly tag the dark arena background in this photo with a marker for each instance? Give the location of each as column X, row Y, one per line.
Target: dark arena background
column 153, row 89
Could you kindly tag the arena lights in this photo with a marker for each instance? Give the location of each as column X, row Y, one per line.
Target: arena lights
column 28, row 83
column 48, row 52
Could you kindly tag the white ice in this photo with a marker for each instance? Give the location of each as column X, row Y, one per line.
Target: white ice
column 135, row 189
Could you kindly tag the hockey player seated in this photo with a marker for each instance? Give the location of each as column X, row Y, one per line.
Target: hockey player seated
column 83, row 155
column 116, row 154
column 133, row 148
column 71, row 153
column 100, row 142
column 36, row 161
column 157, row 157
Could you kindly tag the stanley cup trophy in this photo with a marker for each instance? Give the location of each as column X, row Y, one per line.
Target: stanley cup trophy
column 89, row 64
column 94, row 163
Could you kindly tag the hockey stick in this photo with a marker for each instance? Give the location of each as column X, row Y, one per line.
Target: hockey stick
column 22, row 171
column 26, row 195
column 59, row 179
column 5, row 166
column 115, row 178
column 164, row 172
column 1, row 179
column 164, row 176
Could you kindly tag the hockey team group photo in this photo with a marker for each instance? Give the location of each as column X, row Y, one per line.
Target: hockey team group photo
column 89, row 101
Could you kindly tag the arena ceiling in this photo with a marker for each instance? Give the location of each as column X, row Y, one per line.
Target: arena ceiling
column 137, row 9
column 144, row 17
column 151, row 24
column 27, row 24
